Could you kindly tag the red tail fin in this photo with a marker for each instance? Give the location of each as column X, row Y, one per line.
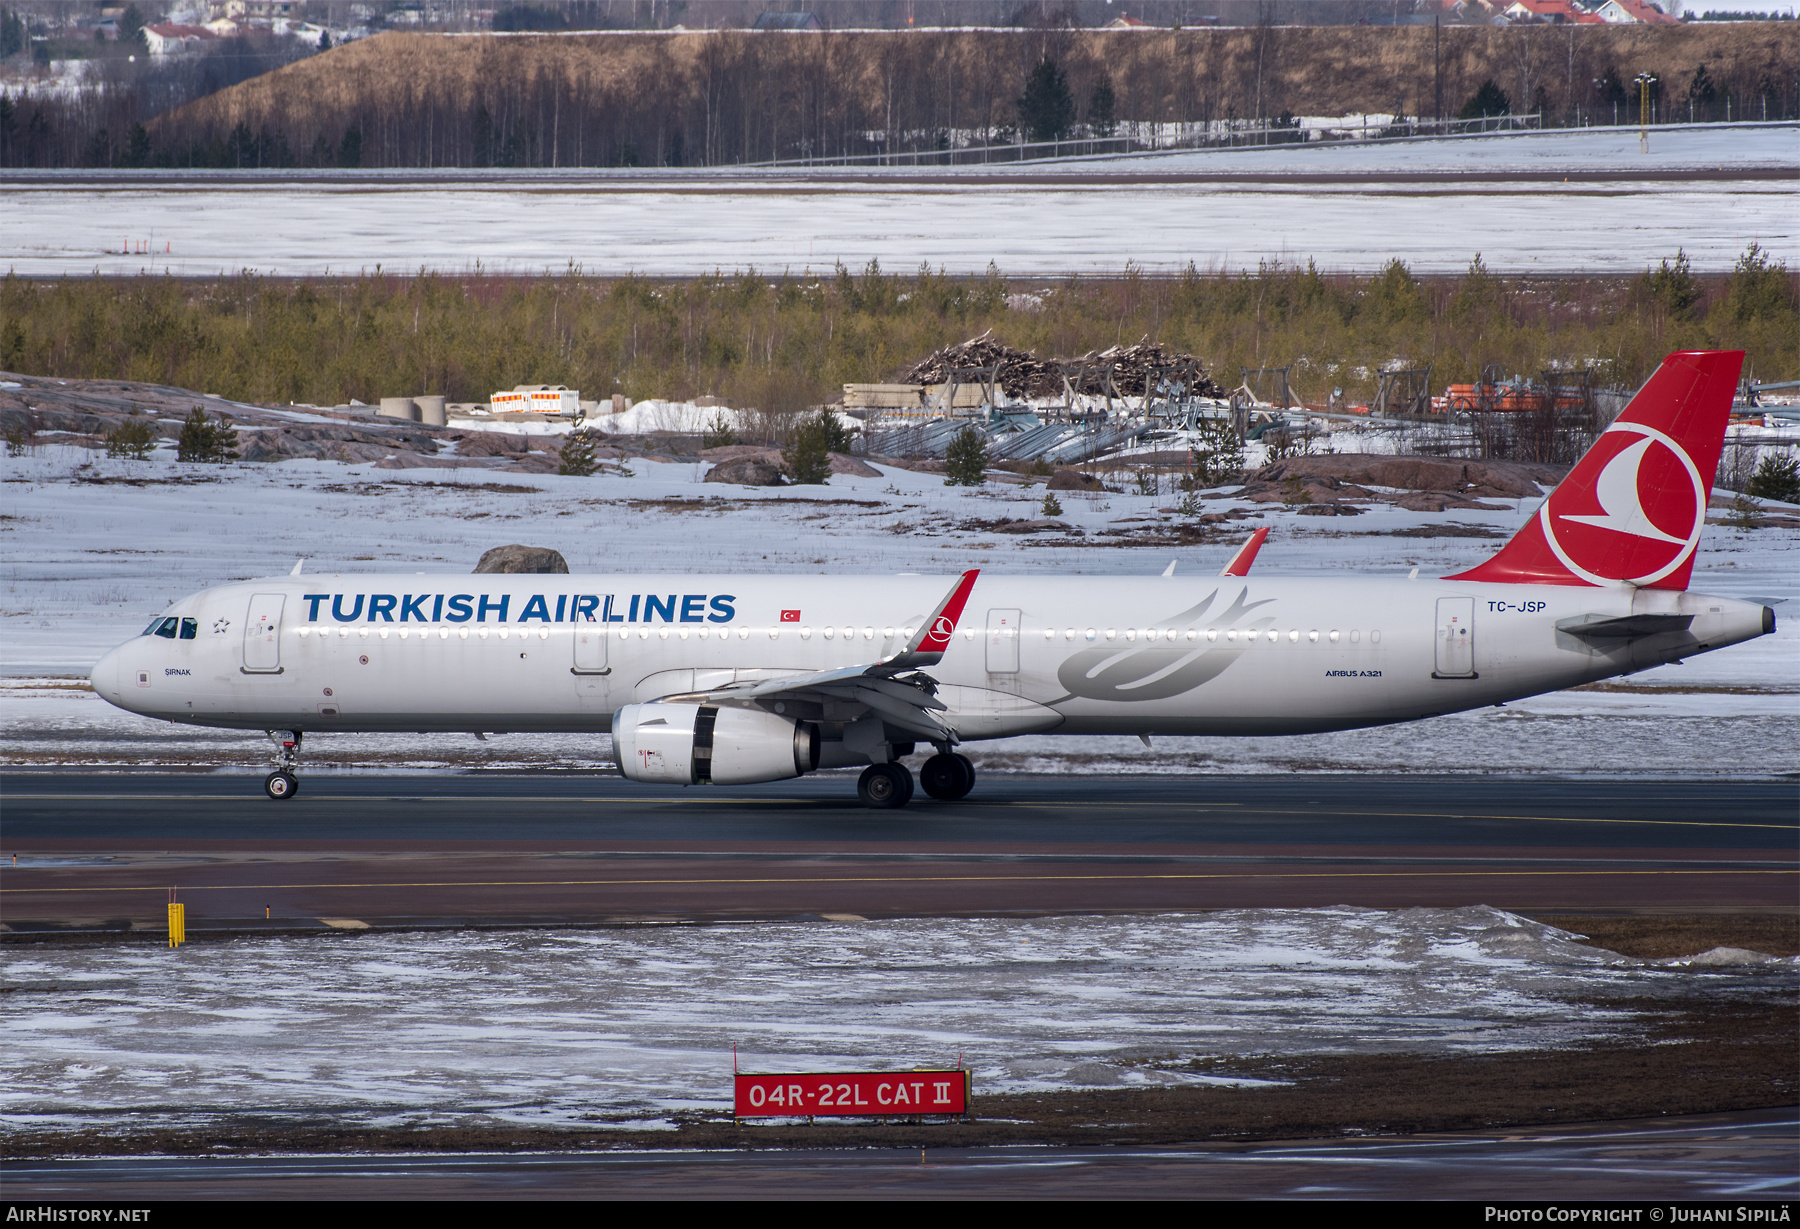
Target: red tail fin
column 1632, row 508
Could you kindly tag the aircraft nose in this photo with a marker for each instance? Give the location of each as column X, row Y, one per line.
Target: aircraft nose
column 105, row 677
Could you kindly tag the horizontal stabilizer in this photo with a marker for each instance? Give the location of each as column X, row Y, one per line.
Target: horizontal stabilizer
column 1627, row 627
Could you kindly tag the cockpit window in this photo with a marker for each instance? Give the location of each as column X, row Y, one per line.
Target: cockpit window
column 164, row 628
column 190, row 628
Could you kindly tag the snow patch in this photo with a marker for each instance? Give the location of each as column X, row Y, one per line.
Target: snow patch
column 634, row 1025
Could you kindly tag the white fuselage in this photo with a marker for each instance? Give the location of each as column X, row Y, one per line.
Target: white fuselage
column 1070, row 655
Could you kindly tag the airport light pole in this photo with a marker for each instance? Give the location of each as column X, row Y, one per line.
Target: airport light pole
column 1643, row 81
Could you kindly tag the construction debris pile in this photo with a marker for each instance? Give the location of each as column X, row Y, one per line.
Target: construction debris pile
column 1023, row 375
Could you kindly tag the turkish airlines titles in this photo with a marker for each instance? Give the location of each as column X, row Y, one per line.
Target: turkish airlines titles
column 538, row 608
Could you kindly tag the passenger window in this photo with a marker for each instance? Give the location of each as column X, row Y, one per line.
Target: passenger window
column 190, row 628
column 167, row 628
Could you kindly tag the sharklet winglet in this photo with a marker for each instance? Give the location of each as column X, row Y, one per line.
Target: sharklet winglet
column 933, row 637
column 1246, row 555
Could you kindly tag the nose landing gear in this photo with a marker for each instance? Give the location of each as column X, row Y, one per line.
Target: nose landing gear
column 283, row 784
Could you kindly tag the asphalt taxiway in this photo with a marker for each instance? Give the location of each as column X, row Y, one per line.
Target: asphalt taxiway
column 1742, row 1157
column 102, row 853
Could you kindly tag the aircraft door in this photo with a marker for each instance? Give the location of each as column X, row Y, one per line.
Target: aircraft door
column 590, row 648
column 1003, row 642
column 1455, row 657
column 590, row 664
column 262, row 634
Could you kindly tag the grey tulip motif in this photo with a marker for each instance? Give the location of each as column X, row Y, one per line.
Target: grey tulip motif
column 1156, row 671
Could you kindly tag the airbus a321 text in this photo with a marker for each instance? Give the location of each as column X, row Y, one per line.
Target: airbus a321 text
column 730, row 680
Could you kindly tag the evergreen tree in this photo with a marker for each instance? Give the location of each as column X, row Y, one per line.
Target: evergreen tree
column 965, row 464
column 350, row 149
column 131, row 28
column 1776, row 478
column 1611, row 88
column 137, row 147
column 717, row 433
column 12, row 33
column 1217, row 452
column 808, row 454
column 833, row 431
column 195, row 443
column 1702, row 93
column 1046, row 108
column 577, row 457
column 1101, row 104
column 204, row 441
column 1760, row 287
column 1052, row 507
column 132, row 439
column 1488, row 100
column 1673, row 287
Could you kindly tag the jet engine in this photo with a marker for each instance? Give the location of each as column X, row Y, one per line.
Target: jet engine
column 698, row 744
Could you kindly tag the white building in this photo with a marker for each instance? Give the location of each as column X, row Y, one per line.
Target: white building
column 167, row 38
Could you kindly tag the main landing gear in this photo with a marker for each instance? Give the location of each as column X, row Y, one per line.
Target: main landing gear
column 884, row 786
column 283, row 784
column 946, row 776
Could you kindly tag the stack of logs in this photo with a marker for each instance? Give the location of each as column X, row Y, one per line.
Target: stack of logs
column 1023, row 374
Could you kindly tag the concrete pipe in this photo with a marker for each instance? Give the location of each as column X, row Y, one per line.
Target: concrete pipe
column 431, row 410
column 399, row 407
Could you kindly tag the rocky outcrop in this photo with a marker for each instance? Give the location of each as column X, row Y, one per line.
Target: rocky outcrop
column 746, row 471
column 1419, row 484
column 1073, row 480
column 840, row 463
column 1039, row 525
column 517, row 559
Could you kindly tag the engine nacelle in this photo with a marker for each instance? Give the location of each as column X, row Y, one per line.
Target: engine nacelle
column 698, row 744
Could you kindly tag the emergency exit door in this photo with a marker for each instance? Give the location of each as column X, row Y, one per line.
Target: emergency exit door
column 1455, row 657
column 1003, row 642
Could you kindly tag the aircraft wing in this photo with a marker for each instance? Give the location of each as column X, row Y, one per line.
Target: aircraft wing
column 892, row 688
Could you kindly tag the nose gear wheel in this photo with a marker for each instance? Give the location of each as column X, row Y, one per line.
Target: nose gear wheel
column 283, row 783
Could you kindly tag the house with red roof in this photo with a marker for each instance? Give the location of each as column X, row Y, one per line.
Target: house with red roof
column 1548, row 12
column 168, row 38
column 1633, row 12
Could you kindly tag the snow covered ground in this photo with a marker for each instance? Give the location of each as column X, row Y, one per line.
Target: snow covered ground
column 1021, row 219
column 91, row 548
column 1560, row 151
column 626, row 1027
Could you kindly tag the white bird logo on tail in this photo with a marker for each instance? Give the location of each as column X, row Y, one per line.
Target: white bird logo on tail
column 1622, row 508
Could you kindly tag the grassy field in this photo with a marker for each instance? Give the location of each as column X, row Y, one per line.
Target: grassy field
column 787, row 343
